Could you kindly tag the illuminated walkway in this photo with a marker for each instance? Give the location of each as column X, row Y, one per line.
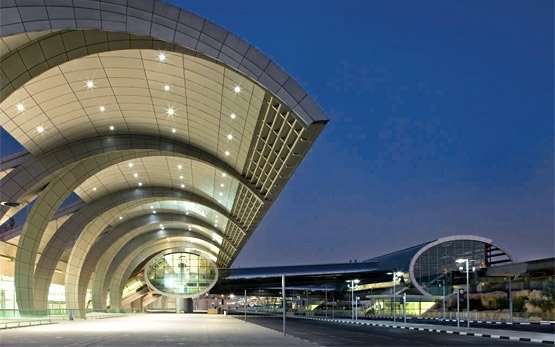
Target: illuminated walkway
column 150, row 330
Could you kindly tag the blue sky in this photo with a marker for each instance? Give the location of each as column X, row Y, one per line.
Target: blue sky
column 441, row 122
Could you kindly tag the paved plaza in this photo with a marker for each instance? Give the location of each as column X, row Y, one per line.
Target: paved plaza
column 150, row 330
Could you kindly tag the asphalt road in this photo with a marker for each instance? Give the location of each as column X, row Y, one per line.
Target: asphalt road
column 548, row 329
column 341, row 334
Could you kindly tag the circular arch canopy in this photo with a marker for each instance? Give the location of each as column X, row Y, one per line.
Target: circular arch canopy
column 136, row 92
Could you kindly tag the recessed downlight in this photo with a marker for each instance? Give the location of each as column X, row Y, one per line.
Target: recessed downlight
column 173, row 130
column 166, row 88
column 226, row 153
column 229, row 137
column 237, row 89
column 179, row 167
column 170, row 111
column 20, row 107
column 162, row 56
column 135, row 175
column 224, row 174
column 140, row 184
column 102, row 108
column 89, row 84
column 112, row 128
column 40, row 129
column 182, row 186
column 94, row 189
column 130, row 165
column 233, row 116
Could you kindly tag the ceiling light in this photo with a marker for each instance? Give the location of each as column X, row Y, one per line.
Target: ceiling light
column 162, row 56
column 152, row 207
column 226, row 153
column 40, row 129
column 221, row 193
column 120, row 217
column 179, row 167
column 112, row 128
column 229, row 136
column 135, row 175
column 219, row 201
column 89, row 84
column 224, row 174
column 237, row 89
column 221, row 185
column 187, row 213
column 162, row 226
column 154, row 212
column 182, row 186
column 140, row 184
column 170, row 111
column 130, row 164
column 189, row 227
column 94, row 189
column 173, row 130
column 20, row 107
column 180, row 177
column 233, row 116
column 167, row 88
column 102, row 108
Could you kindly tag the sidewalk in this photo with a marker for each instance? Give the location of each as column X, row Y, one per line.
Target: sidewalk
column 512, row 335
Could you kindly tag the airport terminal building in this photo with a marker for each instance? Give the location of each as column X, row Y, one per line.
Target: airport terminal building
column 153, row 144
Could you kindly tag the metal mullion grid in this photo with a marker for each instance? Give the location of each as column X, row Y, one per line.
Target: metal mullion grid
column 264, row 187
column 282, row 150
column 252, row 206
column 252, row 165
column 254, row 210
column 240, row 205
column 248, row 202
column 298, row 135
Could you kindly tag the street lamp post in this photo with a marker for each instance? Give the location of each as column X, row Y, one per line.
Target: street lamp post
column 442, row 285
column 467, row 270
column 352, row 285
column 396, row 275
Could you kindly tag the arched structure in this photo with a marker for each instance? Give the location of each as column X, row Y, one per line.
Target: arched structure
column 131, row 105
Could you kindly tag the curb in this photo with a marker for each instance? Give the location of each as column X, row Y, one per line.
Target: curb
column 472, row 321
column 441, row 331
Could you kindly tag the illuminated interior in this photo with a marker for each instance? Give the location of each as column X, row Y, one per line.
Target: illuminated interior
column 185, row 275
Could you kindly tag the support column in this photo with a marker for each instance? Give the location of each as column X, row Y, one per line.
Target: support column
column 188, row 305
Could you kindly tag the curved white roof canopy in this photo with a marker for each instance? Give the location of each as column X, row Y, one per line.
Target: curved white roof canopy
column 74, row 73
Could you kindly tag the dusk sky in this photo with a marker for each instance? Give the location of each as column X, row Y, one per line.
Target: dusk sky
column 441, row 123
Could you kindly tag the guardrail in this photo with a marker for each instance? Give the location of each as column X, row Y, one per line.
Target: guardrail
column 24, row 323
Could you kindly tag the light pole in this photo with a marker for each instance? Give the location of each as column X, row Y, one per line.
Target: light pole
column 396, row 275
column 467, row 270
column 442, row 285
column 352, row 285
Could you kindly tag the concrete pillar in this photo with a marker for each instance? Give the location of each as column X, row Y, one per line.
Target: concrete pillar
column 188, row 305
column 179, row 305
